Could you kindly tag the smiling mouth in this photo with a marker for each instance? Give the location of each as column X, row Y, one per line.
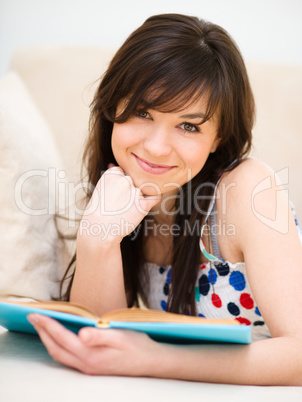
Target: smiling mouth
column 150, row 167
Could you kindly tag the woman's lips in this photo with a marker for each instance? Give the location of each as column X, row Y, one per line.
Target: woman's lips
column 152, row 168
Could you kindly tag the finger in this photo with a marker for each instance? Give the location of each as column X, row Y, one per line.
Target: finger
column 58, row 353
column 100, row 336
column 116, row 169
column 120, row 172
column 147, row 203
column 62, row 336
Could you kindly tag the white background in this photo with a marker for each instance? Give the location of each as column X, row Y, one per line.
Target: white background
column 267, row 30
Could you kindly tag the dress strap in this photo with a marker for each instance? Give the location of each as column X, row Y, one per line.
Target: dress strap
column 213, row 235
column 296, row 221
column 211, row 210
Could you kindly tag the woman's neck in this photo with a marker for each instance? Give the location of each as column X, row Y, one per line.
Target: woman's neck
column 164, row 211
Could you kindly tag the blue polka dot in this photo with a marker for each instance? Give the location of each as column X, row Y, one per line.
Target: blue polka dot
column 201, row 315
column 163, row 305
column 233, row 309
column 204, row 285
column 162, row 269
column 212, row 276
column 169, row 274
column 237, row 280
column 257, row 311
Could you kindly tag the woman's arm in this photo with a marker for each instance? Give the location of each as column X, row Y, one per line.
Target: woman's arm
column 115, row 209
column 99, row 281
column 267, row 237
column 276, row 361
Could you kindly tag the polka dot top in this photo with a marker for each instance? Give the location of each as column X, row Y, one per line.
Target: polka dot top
column 222, row 289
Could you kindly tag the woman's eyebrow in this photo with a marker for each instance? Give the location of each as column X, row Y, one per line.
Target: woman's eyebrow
column 193, row 116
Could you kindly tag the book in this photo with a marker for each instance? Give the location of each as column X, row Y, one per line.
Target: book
column 159, row 325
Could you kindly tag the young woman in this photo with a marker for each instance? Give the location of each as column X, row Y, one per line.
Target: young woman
column 170, row 130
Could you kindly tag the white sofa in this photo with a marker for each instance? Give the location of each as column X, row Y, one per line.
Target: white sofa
column 44, row 112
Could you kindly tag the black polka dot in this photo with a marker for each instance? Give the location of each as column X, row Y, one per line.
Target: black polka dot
column 161, row 269
column 166, row 289
column 204, row 285
column 223, row 268
column 233, row 309
column 259, row 323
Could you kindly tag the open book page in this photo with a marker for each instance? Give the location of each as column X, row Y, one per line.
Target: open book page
column 61, row 306
column 127, row 315
column 142, row 315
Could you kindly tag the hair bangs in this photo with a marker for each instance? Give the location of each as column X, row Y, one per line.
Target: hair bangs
column 168, row 96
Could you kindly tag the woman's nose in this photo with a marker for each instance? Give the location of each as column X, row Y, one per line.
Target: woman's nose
column 157, row 142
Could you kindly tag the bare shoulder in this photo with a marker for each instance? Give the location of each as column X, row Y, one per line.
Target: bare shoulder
column 232, row 199
column 249, row 199
column 248, row 173
column 252, row 184
column 251, row 196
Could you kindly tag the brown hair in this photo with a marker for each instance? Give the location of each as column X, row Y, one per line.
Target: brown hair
column 175, row 58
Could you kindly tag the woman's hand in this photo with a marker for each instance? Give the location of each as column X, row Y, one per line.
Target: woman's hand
column 115, row 208
column 97, row 351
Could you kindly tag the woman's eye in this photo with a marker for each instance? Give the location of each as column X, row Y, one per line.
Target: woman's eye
column 189, row 127
column 143, row 114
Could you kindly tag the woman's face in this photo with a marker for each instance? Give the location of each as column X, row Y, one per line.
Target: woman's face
column 162, row 151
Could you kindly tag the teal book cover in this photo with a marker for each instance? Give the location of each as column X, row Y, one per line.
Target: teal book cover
column 14, row 318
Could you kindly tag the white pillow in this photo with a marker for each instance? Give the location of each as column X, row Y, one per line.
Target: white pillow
column 30, row 250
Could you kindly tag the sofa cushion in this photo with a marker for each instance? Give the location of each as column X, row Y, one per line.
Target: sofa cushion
column 31, row 259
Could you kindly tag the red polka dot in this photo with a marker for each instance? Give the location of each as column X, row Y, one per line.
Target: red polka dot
column 243, row 320
column 246, row 301
column 216, row 300
column 202, row 266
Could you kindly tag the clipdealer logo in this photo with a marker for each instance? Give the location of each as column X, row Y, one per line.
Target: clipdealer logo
column 280, row 222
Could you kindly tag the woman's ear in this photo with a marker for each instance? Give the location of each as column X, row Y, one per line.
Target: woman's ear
column 215, row 144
